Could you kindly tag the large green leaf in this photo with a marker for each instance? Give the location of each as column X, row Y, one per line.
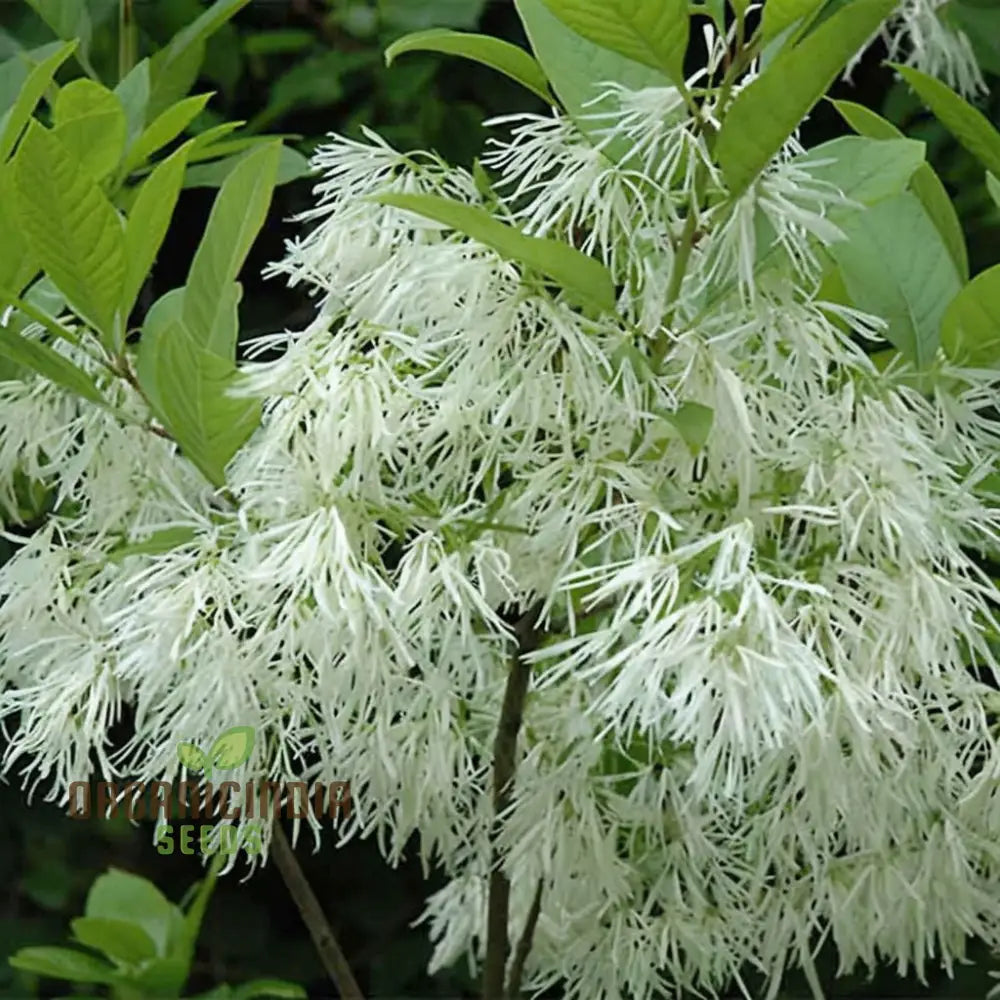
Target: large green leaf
column 895, row 265
column 119, row 940
column 782, row 14
column 651, row 32
column 62, row 963
column 174, row 69
column 493, row 52
column 770, row 108
column 14, row 73
column 970, row 331
column 69, row 20
column 165, row 128
column 188, row 388
column 148, row 222
column 31, row 93
column 133, row 92
column 237, row 217
column 90, row 121
column 586, row 280
column 49, row 363
column 968, row 125
column 925, row 182
column 17, row 266
column 577, row 68
column 119, row 895
column 74, row 232
column 291, row 166
column 870, row 169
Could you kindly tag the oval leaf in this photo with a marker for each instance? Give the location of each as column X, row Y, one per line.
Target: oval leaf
column 577, row 68
column 119, row 940
column 586, row 280
column 770, row 108
column 30, row 94
column 969, row 126
column 237, row 217
column 48, row 362
column 62, row 963
column 925, row 183
column 74, row 231
column 970, row 330
column 90, row 121
column 651, row 32
column 895, row 265
column 493, row 52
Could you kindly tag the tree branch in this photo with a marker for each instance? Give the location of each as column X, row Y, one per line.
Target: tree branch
column 504, row 765
column 524, row 945
column 333, row 959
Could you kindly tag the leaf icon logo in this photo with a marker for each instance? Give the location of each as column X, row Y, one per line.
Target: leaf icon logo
column 191, row 756
column 231, row 749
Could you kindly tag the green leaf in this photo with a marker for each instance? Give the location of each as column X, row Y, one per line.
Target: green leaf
column 163, row 978
column 159, row 542
column 236, row 218
column 981, row 24
column 69, row 20
column 269, row 988
column 781, row 14
column 291, row 166
column 925, row 182
column 895, row 265
column 72, row 228
column 188, row 387
column 968, row 125
column 31, row 93
column 17, row 266
column 191, row 756
column 119, row 940
column 14, row 73
column 148, row 222
column 119, row 895
column 769, row 109
column 62, row 963
column 651, row 32
column 577, row 67
column 224, row 335
column 232, row 748
column 174, row 69
column 90, row 122
column 499, row 55
column 970, row 330
column 586, row 280
column 133, row 92
column 165, row 128
column 694, row 423
column 993, row 186
column 48, row 362
column 870, row 169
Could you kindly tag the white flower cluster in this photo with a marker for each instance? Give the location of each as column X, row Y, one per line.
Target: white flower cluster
column 764, row 713
column 920, row 35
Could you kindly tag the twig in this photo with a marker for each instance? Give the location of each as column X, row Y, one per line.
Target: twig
column 504, row 764
column 333, row 959
column 523, row 948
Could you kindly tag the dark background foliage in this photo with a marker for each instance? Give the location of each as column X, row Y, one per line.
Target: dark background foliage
column 307, row 68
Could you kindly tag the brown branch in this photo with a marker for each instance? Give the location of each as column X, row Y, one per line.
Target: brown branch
column 504, row 765
column 523, row 948
column 329, row 951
